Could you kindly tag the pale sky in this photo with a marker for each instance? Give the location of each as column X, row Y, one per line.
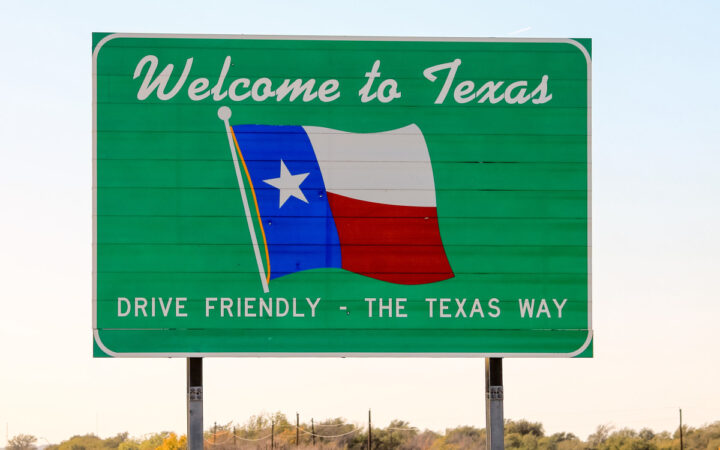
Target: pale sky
column 655, row 216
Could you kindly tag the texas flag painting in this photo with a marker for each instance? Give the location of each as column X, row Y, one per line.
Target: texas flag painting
column 324, row 198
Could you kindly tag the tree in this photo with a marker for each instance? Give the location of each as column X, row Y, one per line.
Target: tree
column 154, row 440
column 602, row 432
column 392, row 437
column 646, row 434
column 422, row 440
column 115, row 441
column 523, row 427
column 563, row 436
column 626, row 439
column 91, row 442
column 22, row 442
column 462, row 438
column 173, row 443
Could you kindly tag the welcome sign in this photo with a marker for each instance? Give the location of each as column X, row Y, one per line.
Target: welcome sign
column 262, row 195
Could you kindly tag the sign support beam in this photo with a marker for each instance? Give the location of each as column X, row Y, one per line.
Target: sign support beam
column 195, row 404
column 494, row 423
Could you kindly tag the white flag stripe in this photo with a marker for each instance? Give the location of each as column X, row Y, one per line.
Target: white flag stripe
column 365, row 166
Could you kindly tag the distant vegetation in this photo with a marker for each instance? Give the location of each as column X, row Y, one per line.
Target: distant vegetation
column 262, row 431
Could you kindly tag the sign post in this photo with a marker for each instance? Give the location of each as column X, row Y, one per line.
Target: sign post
column 195, row 437
column 494, row 422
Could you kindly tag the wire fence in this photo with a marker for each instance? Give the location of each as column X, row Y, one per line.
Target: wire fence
column 229, row 433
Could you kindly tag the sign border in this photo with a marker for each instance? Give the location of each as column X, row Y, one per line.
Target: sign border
column 96, row 333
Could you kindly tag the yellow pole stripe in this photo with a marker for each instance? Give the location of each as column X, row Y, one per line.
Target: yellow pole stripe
column 252, row 189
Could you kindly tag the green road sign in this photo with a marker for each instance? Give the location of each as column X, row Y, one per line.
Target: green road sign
column 261, row 195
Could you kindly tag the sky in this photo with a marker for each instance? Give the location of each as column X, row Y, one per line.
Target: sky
column 655, row 216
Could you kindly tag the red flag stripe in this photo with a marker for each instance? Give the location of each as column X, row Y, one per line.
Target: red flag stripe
column 398, row 244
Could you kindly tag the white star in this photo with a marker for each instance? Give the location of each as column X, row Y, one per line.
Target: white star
column 288, row 184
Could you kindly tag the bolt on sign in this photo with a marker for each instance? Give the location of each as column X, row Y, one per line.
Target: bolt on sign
column 341, row 196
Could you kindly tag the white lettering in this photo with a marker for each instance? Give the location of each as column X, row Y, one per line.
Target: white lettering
column 225, row 305
column 429, row 74
column 295, row 313
column 250, row 306
column 165, row 309
column 266, row 91
column 216, row 90
column 266, row 306
column 122, row 301
column 514, row 93
column 520, row 97
column 431, row 302
column 196, row 88
column 180, row 306
column 444, row 307
column 494, row 306
column 313, row 305
column 284, row 302
column 295, row 88
column 400, row 307
column 243, row 88
column 391, row 87
column 461, row 91
column 365, row 90
column 542, row 90
column 325, row 93
column 543, row 309
column 387, row 307
column 160, row 83
column 208, row 305
column 370, row 302
column 461, row 307
column 140, row 303
column 491, row 88
column 232, row 90
column 559, row 306
column 526, row 307
column 477, row 308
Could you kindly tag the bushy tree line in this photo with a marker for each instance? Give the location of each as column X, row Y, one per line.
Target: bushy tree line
column 266, row 430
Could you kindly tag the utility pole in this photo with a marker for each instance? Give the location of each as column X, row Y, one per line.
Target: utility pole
column 369, row 429
column 214, row 432
column 494, row 424
column 272, row 435
column 194, row 404
column 297, row 429
column 312, row 422
column 681, row 439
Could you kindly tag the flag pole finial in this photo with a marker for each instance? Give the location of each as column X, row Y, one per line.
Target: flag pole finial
column 224, row 113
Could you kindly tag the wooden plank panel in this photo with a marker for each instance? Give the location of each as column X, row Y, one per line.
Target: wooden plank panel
column 448, row 175
column 467, row 147
column 198, row 202
column 229, row 258
column 336, row 284
column 348, row 341
column 228, row 230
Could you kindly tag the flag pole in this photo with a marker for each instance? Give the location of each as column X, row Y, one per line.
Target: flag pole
column 224, row 114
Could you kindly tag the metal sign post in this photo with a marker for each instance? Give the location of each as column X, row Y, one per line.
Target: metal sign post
column 494, row 404
column 194, row 404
